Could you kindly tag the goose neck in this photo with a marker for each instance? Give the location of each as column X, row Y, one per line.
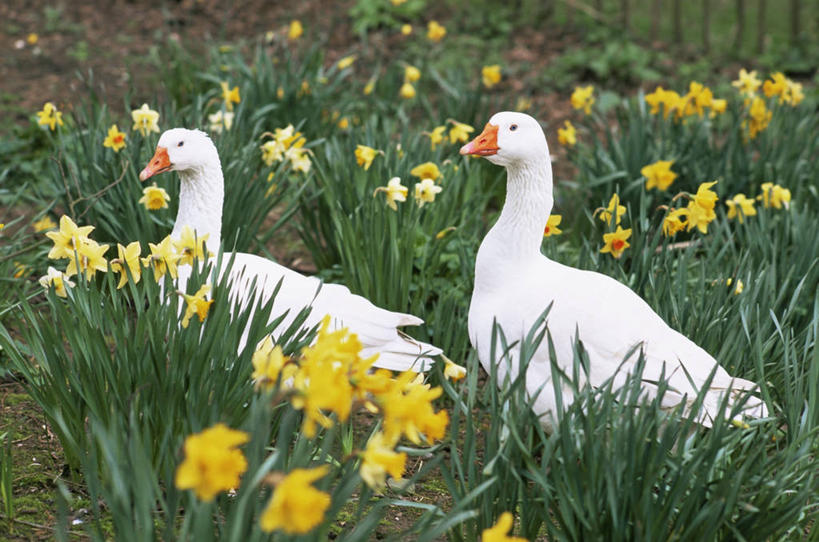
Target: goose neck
column 201, row 195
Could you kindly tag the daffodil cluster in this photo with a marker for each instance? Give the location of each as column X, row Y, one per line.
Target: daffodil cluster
column 287, row 144
column 697, row 214
column 694, row 102
column 407, row 90
column 458, row 133
column 616, row 242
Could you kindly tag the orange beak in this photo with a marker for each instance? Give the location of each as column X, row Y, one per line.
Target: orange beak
column 485, row 144
column 158, row 164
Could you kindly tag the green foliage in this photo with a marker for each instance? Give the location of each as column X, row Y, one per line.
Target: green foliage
column 613, row 63
column 371, row 14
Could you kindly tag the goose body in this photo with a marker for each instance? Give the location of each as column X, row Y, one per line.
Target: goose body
column 194, row 156
column 515, row 283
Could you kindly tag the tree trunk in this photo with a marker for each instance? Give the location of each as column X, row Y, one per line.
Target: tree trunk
column 676, row 16
column 740, row 25
column 795, row 12
column 706, row 26
column 760, row 36
column 656, row 9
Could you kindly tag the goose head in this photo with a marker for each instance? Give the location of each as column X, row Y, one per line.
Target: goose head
column 510, row 139
column 180, row 149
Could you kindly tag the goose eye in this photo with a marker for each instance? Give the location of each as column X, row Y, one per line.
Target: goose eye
column 180, row 143
column 513, row 127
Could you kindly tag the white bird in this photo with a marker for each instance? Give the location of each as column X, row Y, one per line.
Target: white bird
column 193, row 155
column 515, row 283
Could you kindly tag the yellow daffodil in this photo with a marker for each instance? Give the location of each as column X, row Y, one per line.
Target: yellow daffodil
column 567, row 135
column 739, row 206
column 705, row 197
column 272, row 151
column 616, row 242
column 658, row 175
column 67, row 239
column 145, row 120
column 698, row 217
column 229, row 96
column 674, row 222
column 115, row 139
column 698, row 98
column 436, row 136
column 444, row 232
column 552, row 226
column 491, row 75
column 411, row 74
column 370, row 87
column 425, row 191
column 614, row 209
column 407, row 91
column 280, row 92
column 296, row 506
column 452, row 370
column 747, row 84
column 127, row 257
column 460, row 132
column 668, row 99
column 739, row 287
column 435, row 31
column 299, row 159
column 221, row 120
column 20, row 270
column 343, row 123
column 49, row 116
column 395, row 191
column 523, row 104
column 295, row 30
column 760, row 117
column 793, row 93
column 427, row 170
column 407, row 408
column 346, row 62
column 88, row 259
column 500, row 531
column 406, row 29
column 718, row 106
column 776, row 86
column 365, row 155
column 583, row 98
column 775, row 196
column 154, row 198
column 191, row 246
column 163, row 258
column 197, row 304
column 44, row 224
column 213, row 463
column 268, row 363
column 57, row 280
column 32, row 39
column 378, row 460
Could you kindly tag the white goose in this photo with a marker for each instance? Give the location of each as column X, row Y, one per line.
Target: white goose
column 193, row 155
column 514, row 284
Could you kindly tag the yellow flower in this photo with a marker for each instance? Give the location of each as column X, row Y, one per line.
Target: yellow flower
column 88, row 259
column 739, row 206
column 747, row 84
column 427, row 170
column 491, row 75
column 698, row 98
column 673, row 222
column 452, row 370
column 221, row 120
column 212, row 461
column 760, row 117
column 406, row 29
column 407, row 91
column 127, row 257
column 718, row 106
column 191, row 246
column 658, row 174
column 583, row 98
column 346, row 62
column 20, row 270
column 304, row 89
column 698, row 217
column 669, row 99
column 299, row 159
column 296, row 506
column 370, row 86
column 739, row 287
column 552, row 226
column 776, row 86
column 67, row 239
column 407, row 408
column 435, row 32
column 379, row 459
column 295, row 30
column 567, row 135
column 229, row 96
column 268, row 362
column 115, row 139
column 705, row 197
column 57, row 280
column 523, row 104
column 280, row 92
column 163, row 258
column 444, row 232
column 793, row 93
column 32, row 39
column 775, row 196
column 395, row 192
column 616, row 242
column 500, row 531
column 197, row 304
column 49, row 116
column 154, row 198
column 272, row 151
column 425, row 191
column 614, row 208
column 436, row 136
column 44, row 224
column 365, row 155
column 460, row 132
column 145, row 120
column 397, row 2
column 343, row 123
column 411, row 74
